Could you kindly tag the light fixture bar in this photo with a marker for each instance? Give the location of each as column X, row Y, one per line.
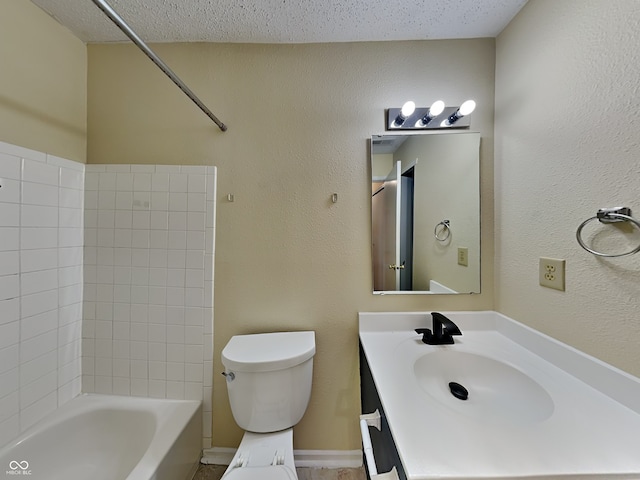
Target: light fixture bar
column 418, row 119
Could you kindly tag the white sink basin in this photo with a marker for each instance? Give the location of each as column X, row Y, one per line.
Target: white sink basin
column 497, row 392
column 536, row 408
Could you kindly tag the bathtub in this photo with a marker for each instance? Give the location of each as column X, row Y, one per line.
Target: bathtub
column 108, row 437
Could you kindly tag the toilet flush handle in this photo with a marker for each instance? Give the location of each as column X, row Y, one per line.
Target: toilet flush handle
column 230, row 376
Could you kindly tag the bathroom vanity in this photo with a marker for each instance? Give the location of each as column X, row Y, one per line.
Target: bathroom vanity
column 534, row 407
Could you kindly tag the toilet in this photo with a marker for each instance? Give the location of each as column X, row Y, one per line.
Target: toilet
column 269, row 385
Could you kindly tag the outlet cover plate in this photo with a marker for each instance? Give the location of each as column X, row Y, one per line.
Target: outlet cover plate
column 551, row 272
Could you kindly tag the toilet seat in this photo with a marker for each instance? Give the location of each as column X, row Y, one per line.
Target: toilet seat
column 275, row 472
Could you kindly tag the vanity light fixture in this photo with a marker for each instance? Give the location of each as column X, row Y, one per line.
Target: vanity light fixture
column 437, row 116
column 435, row 109
column 405, row 112
column 465, row 109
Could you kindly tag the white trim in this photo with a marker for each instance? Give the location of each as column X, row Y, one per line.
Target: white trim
column 302, row 458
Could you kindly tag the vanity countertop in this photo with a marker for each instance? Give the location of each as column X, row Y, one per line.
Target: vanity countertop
column 537, row 408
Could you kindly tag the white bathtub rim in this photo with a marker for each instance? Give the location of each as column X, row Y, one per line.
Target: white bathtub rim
column 168, row 428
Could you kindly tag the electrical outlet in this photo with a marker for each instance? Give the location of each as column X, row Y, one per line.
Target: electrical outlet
column 463, row 256
column 552, row 273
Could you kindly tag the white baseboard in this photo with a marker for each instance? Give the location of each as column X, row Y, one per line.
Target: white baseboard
column 302, row 458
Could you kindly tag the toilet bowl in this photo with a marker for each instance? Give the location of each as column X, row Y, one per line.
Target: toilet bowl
column 269, row 386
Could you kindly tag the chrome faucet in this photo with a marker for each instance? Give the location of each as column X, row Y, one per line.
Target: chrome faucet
column 443, row 331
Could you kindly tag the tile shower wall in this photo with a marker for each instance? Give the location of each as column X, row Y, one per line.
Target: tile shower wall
column 148, row 309
column 41, row 238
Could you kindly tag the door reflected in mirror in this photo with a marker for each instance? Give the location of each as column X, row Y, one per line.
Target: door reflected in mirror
column 425, row 206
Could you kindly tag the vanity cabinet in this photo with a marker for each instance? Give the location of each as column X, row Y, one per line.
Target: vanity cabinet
column 384, row 448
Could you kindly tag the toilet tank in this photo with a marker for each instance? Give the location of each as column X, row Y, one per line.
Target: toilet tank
column 269, row 378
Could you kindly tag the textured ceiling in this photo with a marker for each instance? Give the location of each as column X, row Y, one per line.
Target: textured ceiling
column 286, row 21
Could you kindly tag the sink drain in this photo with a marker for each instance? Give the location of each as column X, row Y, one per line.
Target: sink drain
column 458, row 391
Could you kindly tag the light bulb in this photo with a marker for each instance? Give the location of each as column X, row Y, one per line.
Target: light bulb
column 405, row 112
column 436, row 108
column 467, row 107
column 408, row 108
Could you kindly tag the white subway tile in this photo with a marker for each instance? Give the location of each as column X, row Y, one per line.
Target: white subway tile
column 106, row 218
column 197, row 183
column 175, row 390
column 142, row 168
column 70, row 371
column 157, row 388
column 121, row 332
column 68, row 276
column 10, row 165
column 9, row 239
column 175, row 334
column 177, row 221
column 193, row 372
column 70, row 217
column 103, row 385
column 10, row 191
column 139, row 387
column 121, row 386
column 34, row 347
column 104, row 367
column 9, row 406
column 167, row 168
column 69, row 353
column 139, row 294
column 160, row 182
column 38, row 324
column 39, row 366
column 175, row 351
column 140, row 313
column 124, row 182
column 38, row 259
column 123, row 219
column 139, row 367
column 193, row 335
column 159, row 201
column 120, row 257
column 159, row 239
column 9, row 214
column 38, row 410
column 9, row 358
column 71, row 332
column 157, row 314
column 69, row 390
column 158, row 351
column 106, row 200
column 39, row 194
column 70, row 256
column 9, row 382
column 39, row 281
column 178, row 202
column 177, row 240
column 118, row 168
column 70, row 314
column 122, row 366
column 9, row 263
column 70, row 198
column 178, row 182
column 38, row 216
column 38, row 389
column 124, row 200
column 38, row 303
column 70, row 178
column 69, row 295
column 196, row 221
column 9, row 289
column 37, row 238
column 196, row 202
column 194, row 354
column 157, row 295
column 107, row 181
column 38, row 172
column 142, row 182
column 175, row 371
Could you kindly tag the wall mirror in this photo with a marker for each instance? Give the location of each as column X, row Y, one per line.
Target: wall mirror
column 425, row 206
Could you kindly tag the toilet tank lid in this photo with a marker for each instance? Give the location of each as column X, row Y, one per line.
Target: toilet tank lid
column 264, row 352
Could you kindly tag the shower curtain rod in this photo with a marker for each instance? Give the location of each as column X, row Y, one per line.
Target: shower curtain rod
column 115, row 18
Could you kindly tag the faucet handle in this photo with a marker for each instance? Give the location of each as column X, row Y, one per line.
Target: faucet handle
column 426, row 333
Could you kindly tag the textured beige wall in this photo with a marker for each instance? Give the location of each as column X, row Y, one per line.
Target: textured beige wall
column 299, row 119
column 43, row 85
column 568, row 143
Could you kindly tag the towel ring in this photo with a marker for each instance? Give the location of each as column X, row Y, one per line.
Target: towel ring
column 609, row 215
column 444, row 233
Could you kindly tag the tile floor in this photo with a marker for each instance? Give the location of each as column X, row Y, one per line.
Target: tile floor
column 214, row 472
